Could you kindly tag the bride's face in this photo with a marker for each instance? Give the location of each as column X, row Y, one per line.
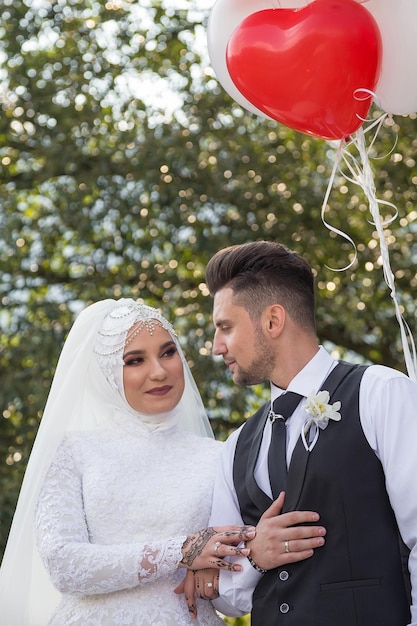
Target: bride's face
column 153, row 375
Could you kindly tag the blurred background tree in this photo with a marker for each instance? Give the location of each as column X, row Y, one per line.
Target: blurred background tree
column 124, row 166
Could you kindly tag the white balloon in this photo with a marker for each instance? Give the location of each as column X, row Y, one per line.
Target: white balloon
column 397, row 87
column 225, row 17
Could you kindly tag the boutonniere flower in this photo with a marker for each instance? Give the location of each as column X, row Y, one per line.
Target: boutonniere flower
column 319, row 413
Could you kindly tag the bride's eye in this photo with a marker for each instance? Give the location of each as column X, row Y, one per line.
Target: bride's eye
column 133, row 360
column 170, row 352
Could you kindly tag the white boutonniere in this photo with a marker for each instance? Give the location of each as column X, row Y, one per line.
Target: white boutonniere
column 319, row 413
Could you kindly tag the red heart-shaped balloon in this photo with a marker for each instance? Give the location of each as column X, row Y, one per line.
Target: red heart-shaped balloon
column 310, row 68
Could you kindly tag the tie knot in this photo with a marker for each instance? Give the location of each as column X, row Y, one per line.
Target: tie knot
column 285, row 405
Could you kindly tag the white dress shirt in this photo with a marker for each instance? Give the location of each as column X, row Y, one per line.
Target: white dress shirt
column 388, row 414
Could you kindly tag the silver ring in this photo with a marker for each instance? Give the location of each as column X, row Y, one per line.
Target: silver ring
column 216, row 548
column 287, row 546
column 209, row 584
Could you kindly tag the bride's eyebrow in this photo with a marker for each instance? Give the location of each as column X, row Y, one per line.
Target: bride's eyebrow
column 163, row 346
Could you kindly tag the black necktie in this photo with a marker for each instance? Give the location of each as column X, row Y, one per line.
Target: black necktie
column 282, row 408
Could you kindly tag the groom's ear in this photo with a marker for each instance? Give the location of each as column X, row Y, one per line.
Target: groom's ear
column 273, row 320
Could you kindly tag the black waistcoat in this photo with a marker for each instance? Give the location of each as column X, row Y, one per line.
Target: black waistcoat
column 357, row 577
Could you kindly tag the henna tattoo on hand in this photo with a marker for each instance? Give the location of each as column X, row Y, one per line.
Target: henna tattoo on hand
column 222, row 564
column 241, row 534
column 194, row 545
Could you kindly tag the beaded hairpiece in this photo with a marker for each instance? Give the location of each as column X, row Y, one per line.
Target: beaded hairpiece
column 149, row 326
column 114, row 332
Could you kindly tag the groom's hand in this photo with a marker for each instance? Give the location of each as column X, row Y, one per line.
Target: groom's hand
column 280, row 540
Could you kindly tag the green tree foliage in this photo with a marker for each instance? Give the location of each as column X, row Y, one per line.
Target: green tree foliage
column 124, row 166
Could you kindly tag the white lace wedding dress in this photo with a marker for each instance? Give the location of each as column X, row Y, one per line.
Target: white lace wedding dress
column 112, row 516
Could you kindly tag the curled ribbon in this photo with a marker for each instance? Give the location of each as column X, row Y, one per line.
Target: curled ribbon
column 361, row 174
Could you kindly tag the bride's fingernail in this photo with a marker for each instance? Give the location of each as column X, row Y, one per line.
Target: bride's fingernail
column 236, row 568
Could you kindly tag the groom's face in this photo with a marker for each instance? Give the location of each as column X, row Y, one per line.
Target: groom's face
column 241, row 343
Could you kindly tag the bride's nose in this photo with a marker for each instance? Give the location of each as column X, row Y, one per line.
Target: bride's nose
column 157, row 370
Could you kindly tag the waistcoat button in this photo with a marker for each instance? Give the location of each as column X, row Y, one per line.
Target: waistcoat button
column 284, row 608
column 284, row 575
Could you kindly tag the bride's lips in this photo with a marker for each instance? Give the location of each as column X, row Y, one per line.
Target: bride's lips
column 159, row 391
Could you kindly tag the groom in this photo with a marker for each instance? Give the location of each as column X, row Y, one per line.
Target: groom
column 358, row 472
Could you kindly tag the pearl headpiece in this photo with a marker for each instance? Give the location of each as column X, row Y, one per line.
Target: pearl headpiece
column 114, row 332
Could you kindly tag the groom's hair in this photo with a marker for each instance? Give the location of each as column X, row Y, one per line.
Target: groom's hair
column 262, row 273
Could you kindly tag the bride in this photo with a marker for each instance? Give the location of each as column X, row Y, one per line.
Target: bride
column 118, row 489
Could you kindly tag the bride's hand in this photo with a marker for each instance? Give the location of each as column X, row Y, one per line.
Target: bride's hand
column 206, row 583
column 208, row 547
column 202, row 583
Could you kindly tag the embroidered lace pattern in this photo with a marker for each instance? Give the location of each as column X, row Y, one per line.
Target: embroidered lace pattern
column 112, row 516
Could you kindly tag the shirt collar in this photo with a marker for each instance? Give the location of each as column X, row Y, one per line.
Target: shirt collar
column 311, row 377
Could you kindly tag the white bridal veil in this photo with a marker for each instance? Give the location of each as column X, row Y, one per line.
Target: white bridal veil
column 84, row 394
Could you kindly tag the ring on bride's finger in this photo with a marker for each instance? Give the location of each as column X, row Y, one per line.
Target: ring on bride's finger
column 216, row 548
column 209, row 584
column 287, row 546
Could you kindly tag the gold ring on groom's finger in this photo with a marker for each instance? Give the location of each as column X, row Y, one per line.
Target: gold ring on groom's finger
column 287, row 546
column 216, row 548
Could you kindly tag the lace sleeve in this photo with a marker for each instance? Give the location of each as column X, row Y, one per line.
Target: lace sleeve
column 77, row 566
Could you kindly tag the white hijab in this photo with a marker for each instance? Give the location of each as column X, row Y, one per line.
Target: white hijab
column 86, row 391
